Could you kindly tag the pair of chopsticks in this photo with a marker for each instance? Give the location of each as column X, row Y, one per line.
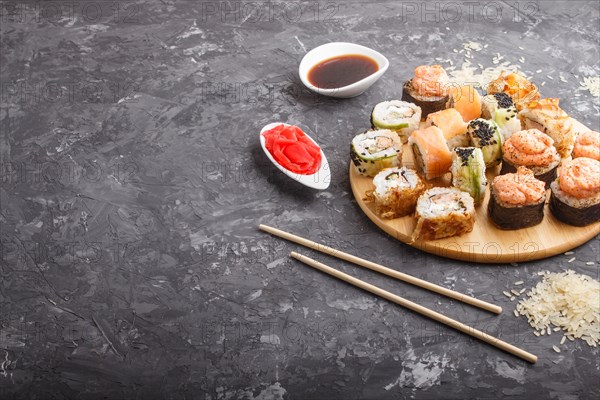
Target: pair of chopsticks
column 395, row 298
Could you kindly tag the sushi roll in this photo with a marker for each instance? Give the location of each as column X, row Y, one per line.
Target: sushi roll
column 396, row 192
column 549, row 118
column 587, row 145
column 517, row 200
column 375, row 150
column 431, row 154
column 428, row 89
column 534, row 150
column 452, row 125
column 466, row 100
column 508, row 122
column 468, row 172
column 443, row 212
column 399, row 116
column 493, row 102
column 575, row 194
column 519, row 88
column 485, row 134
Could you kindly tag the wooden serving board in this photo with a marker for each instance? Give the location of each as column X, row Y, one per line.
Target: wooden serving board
column 486, row 243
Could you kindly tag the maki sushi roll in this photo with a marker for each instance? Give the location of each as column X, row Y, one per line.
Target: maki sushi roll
column 452, row 125
column 519, row 88
column 549, row 118
column 428, row 89
column 430, row 151
column 587, row 145
column 534, row 150
column 396, row 115
column 485, row 134
column 575, row 194
column 500, row 108
column 466, row 100
column 494, row 102
column 468, row 172
column 375, row 150
column 517, row 200
column 443, row 212
column 396, row 192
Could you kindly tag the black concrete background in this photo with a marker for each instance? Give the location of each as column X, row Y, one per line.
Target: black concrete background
column 133, row 184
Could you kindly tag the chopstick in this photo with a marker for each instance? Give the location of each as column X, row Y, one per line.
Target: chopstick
column 383, row 270
column 417, row 308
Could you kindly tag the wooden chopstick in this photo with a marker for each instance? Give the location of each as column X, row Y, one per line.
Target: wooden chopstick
column 417, row 308
column 383, row 270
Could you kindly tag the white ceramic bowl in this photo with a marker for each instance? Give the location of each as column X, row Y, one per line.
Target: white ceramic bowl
column 319, row 180
column 335, row 49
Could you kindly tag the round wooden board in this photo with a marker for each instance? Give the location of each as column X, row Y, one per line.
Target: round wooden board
column 486, row 243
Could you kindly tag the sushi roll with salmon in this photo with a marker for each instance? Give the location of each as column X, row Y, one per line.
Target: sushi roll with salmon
column 428, row 89
column 396, row 192
column 534, row 150
column 517, row 200
column 468, row 172
column 587, row 145
column 519, row 88
column 375, row 150
column 443, row 212
column 431, row 154
column 466, row 100
column 396, row 115
column 575, row 194
column 546, row 116
column 452, row 125
column 485, row 134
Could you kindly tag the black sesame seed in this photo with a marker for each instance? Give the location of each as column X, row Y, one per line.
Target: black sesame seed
column 504, row 100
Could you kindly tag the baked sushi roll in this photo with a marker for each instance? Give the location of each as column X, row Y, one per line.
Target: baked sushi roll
column 587, row 145
column 575, row 194
column 399, row 116
column 428, row 89
column 431, row 154
column 468, row 172
column 375, row 150
column 546, row 116
column 517, row 200
column 452, row 125
column 519, row 88
column 396, row 192
column 485, row 134
column 466, row 100
column 534, row 150
column 443, row 212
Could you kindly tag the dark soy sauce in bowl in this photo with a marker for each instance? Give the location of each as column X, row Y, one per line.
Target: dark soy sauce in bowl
column 340, row 71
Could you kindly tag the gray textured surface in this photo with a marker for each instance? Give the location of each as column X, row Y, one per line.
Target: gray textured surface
column 131, row 262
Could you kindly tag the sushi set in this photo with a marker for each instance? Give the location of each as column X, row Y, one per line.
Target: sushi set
column 504, row 177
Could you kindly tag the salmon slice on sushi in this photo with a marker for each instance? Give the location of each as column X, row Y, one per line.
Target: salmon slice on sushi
column 575, row 194
column 452, row 125
column 517, row 200
column 432, row 156
column 396, row 192
column 534, row 150
column 466, row 100
column 443, row 212
column 428, row 89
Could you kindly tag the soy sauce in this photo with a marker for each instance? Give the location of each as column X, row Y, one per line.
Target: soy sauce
column 341, row 71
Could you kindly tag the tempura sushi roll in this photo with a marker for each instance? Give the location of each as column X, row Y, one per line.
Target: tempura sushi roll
column 431, row 154
column 375, row 150
column 468, row 172
column 452, row 125
column 575, row 197
column 396, row 192
column 396, row 115
column 519, row 88
column 546, row 116
column 443, row 212
column 484, row 134
column 428, row 89
column 587, row 145
column 534, row 150
column 517, row 200
column 466, row 100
